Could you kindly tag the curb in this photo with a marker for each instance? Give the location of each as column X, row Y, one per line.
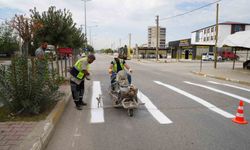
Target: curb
column 221, row 78
column 41, row 134
column 165, row 61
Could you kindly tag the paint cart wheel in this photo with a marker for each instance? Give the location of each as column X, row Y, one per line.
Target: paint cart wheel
column 131, row 112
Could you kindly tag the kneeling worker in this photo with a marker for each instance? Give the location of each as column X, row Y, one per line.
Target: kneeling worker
column 79, row 72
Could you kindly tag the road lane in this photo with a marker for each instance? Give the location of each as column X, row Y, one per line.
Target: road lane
column 194, row 126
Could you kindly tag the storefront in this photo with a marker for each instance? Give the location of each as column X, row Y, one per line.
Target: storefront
column 182, row 49
column 150, row 52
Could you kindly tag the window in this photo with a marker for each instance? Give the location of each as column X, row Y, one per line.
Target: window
column 212, row 38
column 207, row 38
column 212, row 29
column 205, row 31
column 237, row 28
column 197, row 36
column 204, row 39
column 208, row 30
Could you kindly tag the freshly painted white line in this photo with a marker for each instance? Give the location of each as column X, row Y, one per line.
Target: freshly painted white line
column 157, row 114
column 220, row 91
column 97, row 114
column 197, row 99
column 229, row 85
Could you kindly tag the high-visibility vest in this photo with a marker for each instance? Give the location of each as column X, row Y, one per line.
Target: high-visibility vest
column 115, row 66
column 78, row 67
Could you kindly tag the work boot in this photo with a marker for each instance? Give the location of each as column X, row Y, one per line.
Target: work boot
column 78, row 107
column 82, row 103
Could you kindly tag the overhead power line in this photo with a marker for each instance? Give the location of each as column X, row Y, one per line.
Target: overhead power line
column 182, row 14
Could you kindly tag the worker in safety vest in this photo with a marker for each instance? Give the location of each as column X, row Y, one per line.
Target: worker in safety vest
column 79, row 72
column 117, row 65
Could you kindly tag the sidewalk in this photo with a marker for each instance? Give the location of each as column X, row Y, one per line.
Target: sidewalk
column 238, row 75
column 168, row 60
column 12, row 133
column 224, row 70
column 32, row 135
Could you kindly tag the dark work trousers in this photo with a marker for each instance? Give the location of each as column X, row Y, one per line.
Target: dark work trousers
column 77, row 92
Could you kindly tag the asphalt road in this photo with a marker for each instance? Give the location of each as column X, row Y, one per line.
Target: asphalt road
column 182, row 111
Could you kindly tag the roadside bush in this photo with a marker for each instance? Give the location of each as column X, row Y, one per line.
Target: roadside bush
column 27, row 87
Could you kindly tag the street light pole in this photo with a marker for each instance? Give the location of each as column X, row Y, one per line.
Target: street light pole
column 85, row 20
column 157, row 37
column 90, row 36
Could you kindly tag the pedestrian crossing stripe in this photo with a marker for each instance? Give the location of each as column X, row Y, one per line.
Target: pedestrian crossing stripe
column 229, row 85
column 237, row 97
column 197, row 99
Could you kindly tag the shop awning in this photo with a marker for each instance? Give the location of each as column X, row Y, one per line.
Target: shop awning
column 239, row 39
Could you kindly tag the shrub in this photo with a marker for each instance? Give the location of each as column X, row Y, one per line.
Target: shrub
column 27, row 86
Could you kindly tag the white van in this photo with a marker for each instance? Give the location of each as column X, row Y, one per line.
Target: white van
column 210, row 56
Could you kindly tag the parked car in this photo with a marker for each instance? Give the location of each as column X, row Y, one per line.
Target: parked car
column 210, row 56
column 50, row 53
column 246, row 64
column 226, row 55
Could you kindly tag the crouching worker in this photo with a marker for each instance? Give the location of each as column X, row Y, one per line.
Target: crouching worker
column 80, row 72
column 116, row 66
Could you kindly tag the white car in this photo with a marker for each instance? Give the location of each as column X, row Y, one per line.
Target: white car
column 210, row 56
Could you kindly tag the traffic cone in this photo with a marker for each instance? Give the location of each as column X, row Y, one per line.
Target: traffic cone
column 240, row 114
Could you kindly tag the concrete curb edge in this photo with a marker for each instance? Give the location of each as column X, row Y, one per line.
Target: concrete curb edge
column 221, row 78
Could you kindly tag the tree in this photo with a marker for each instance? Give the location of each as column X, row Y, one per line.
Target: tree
column 90, row 49
column 57, row 27
column 8, row 39
column 24, row 26
column 77, row 39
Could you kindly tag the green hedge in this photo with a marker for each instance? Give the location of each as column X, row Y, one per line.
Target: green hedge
column 28, row 87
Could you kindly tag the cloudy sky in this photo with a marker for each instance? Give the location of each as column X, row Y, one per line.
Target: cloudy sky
column 115, row 19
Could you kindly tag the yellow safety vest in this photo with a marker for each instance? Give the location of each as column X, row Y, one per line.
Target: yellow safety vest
column 115, row 66
column 78, row 66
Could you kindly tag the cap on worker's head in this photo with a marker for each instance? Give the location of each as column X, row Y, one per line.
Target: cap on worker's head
column 91, row 56
column 116, row 55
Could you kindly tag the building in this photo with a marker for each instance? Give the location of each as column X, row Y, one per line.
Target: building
column 152, row 37
column 181, row 49
column 203, row 39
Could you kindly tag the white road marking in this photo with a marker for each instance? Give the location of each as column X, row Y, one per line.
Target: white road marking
column 197, row 99
column 73, row 144
column 229, row 85
column 97, row 114
column 157, row 114
column 220, row 91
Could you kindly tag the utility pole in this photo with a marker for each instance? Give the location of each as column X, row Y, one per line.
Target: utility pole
column 120, row 43
column 137, row 52
column 129, row 46
column 216, row 37
column 85, row 20
column 157, row 37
